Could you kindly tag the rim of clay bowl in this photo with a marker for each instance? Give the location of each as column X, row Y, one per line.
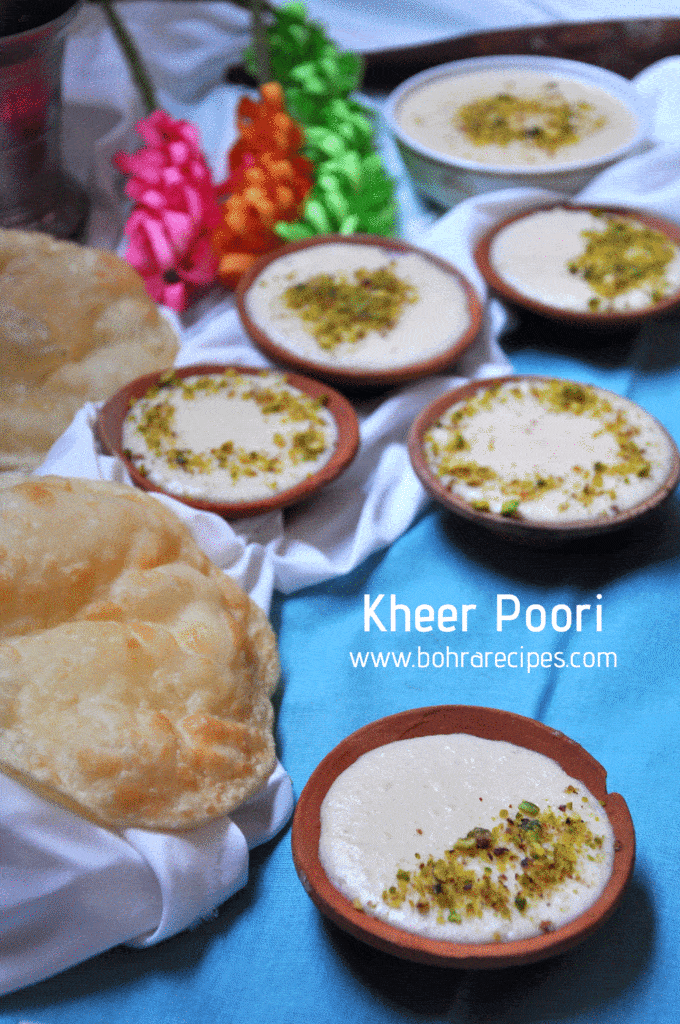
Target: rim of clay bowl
column 343, row 376
column 109, row 426
column 587, row 319
column 536, row 532
column 489, row 723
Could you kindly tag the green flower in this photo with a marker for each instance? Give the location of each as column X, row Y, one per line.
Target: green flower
column 352, row 191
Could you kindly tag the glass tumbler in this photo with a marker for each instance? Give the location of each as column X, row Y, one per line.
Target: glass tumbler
column 36, row 193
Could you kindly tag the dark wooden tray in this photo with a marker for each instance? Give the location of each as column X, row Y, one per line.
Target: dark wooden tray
column 625, row 46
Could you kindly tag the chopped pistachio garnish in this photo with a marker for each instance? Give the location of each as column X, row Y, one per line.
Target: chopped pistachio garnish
column 510, row 508
column 546, row 121
column 516, row 864
column 623, row 256
column 528, row 807
column 507, row 491
column 307, row 445
column 341, row 310
column 153, row 417
column 471, row 472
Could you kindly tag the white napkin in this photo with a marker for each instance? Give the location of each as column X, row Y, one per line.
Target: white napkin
column 71, row 889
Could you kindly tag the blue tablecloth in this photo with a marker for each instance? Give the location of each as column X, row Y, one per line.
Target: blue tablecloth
column 268, row 955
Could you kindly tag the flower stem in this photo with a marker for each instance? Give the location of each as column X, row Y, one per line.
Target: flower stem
column 135, row 63
column 260, row 42
column 246, row 5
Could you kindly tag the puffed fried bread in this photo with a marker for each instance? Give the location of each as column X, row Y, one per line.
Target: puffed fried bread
column 75, row 325
column 135, row 676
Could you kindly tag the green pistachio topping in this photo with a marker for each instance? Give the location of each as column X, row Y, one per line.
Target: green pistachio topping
column 528, row 807
column 516, row 864
column 623, row 256
column 547, row 121
column 339, row 310
column 594, row 479
column 510, row 508
column 155, row 416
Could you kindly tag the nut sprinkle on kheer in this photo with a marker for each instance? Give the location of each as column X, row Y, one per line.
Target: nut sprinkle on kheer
column 228, row 436
column 357, row 306
column 585, row 260
column 548, row 449
column 516, row 118
column 465, row 839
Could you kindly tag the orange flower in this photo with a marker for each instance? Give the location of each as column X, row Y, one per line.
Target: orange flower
column 265, row 127
column 268, row 183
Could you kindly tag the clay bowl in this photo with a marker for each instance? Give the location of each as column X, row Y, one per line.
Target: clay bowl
column 109, row 426
column 344, row 373
column 488, row 723
column 541, row 533
column 586, row 320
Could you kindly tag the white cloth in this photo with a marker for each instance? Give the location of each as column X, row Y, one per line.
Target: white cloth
column 74, row 889
column 71, row 889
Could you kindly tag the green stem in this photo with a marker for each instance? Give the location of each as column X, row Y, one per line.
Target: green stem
column 246, row 5
column 260, row 42
column 135, row 63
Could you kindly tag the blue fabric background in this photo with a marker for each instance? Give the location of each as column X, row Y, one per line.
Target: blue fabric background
column 268, row 956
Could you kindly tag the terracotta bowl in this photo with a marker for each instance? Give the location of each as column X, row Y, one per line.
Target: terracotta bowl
column 344, row 375
column 109, row 428
column 488, row 723
column 543, row 533
column 596, row 321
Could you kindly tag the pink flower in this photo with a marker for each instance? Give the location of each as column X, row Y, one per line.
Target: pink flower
column 176, row 209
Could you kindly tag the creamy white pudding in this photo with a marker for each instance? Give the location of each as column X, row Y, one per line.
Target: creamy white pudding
column 465, row 839
column 228, row 437
column 359, row 306
column 586, row 260
column 516, row 118
column 544, row 449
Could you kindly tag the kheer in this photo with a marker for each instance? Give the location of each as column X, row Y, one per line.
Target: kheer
column 359, row 306
column 228, row 437
column 516, row 118
column 465, row 839
column 586, row 260
column 549, row 450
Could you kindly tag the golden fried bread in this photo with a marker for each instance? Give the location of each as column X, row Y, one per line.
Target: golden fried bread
column 75, row 325
column 135, row 676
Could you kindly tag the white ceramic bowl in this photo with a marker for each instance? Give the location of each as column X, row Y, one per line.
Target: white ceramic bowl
column 449, row 179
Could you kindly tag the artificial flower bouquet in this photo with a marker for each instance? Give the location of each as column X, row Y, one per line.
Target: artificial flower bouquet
column 304, row 163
